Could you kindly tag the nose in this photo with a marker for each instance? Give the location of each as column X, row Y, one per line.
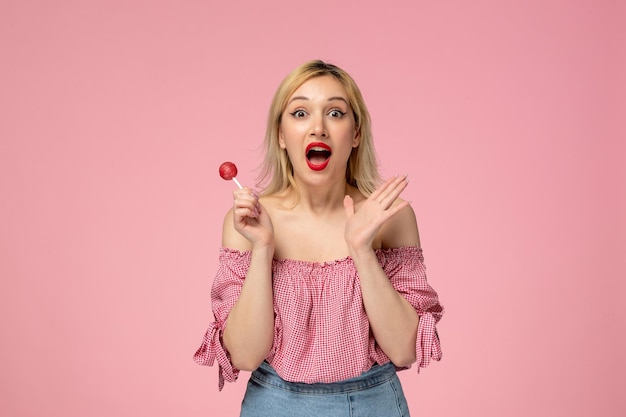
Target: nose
column 318, row 126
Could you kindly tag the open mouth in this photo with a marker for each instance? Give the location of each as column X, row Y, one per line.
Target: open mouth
column 317, row 155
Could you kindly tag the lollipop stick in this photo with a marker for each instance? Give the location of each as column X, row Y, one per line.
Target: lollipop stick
column 237, row 182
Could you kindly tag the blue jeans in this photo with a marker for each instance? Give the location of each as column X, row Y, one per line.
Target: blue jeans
column 375, row 393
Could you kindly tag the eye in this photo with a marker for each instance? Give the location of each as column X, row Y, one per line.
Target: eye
column 336, row 113
column 298, row 114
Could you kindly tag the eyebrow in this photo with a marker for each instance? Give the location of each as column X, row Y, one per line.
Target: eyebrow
column 330, row 99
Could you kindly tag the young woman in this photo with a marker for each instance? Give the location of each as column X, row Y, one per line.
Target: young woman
column 321, row 289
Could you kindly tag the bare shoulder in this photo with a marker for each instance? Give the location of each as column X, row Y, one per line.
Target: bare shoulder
column 231, row 238
column 400, row 230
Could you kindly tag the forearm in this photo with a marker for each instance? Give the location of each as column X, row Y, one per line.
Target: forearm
column 249, row 331
column 392, row 318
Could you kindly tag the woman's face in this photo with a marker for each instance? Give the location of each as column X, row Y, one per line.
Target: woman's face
column 318, row 130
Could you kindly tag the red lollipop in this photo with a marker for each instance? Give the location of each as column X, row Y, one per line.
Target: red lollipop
column 228, row 171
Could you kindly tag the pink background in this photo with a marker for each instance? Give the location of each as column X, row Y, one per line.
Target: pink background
column 114, row 116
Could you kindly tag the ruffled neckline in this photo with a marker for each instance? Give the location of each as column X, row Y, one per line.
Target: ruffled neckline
column 380, row 252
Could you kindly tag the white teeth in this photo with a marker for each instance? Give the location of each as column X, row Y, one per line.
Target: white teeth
column 318, row 149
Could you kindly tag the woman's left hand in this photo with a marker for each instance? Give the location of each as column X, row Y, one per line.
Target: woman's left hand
column 363, row 225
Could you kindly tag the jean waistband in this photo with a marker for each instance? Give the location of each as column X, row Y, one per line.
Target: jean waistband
column 378, row 374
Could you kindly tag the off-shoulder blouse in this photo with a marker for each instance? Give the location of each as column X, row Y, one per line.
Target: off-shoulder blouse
column 321, row 330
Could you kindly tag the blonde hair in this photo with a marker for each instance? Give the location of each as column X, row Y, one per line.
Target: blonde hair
column 276, row 169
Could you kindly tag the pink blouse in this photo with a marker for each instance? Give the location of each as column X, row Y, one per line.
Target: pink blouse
column 321, row 330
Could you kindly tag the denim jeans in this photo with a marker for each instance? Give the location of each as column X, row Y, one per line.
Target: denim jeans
column 375, row 393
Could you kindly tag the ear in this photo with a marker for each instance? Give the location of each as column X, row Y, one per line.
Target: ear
column 281, row 139
column 357, row 139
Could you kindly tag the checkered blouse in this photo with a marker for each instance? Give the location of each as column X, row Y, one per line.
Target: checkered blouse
column 321, row 330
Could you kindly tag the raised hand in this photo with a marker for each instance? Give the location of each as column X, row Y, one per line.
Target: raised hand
column 363, row 225
column 251, row 218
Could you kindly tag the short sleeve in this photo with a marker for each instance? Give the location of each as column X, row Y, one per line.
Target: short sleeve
column 231, row 273
column 407, row 273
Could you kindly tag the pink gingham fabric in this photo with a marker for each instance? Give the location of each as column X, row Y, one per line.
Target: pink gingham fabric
column 321, row 330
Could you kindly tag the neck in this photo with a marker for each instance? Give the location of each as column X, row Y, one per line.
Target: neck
column 321, row 200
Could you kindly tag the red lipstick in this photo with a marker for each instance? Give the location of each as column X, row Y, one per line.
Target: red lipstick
column 317, row 155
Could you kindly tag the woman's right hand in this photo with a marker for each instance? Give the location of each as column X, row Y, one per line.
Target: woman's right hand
column 251, row 219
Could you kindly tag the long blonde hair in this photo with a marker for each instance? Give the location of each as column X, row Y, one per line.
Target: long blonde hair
column 276, row 169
